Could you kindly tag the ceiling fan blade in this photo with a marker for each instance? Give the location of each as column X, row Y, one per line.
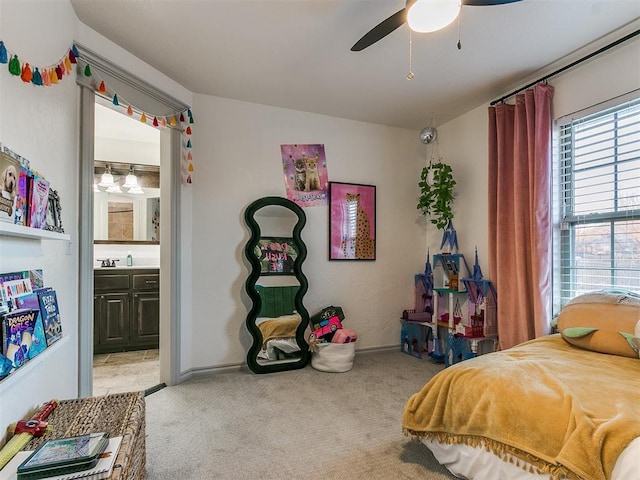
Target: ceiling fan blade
column 381, row 30
column 483, row 3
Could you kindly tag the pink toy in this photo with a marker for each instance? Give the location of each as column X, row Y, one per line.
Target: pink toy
column 327, row 327
column 344, row 335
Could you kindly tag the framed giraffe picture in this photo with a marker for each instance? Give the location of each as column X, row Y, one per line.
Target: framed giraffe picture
column 352, row 221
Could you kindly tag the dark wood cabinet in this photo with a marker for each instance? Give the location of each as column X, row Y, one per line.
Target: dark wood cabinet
column 126, row 310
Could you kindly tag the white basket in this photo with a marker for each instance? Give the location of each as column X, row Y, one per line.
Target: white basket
column 334, row 357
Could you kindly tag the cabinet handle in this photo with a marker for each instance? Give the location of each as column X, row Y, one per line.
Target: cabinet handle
column 150, row 281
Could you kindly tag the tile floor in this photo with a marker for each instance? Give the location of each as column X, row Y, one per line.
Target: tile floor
column 125, row 371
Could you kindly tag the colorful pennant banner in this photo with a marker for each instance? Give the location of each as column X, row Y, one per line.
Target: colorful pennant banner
column 45, row 76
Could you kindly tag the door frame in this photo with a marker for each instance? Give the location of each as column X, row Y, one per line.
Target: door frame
column 170, row 183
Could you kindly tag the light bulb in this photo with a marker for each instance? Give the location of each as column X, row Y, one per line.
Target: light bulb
column 107, row 180
column 114, row 189
column 131, row 181
column 431, row 15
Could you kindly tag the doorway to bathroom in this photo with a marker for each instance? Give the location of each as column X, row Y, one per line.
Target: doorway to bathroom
column 126, row 252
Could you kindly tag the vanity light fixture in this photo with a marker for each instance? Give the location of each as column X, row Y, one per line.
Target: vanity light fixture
column 107, row 179
column 135, row 190
column 131, row 181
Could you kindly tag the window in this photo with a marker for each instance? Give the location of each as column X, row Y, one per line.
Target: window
column 599, row 201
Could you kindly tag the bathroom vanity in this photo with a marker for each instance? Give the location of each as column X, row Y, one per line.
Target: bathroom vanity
column 126, row 309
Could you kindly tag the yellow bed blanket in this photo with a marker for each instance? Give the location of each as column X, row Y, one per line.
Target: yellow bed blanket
column 283, row 327
column 569, row 412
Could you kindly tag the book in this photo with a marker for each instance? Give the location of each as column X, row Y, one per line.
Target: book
column 31, row 301
column 22, row 197
column 17, row 335
column 102, row 470
column 35, row 278
column 9, row 174
column 50, row 315
column 39, row 202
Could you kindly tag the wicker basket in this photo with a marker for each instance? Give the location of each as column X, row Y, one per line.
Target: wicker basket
column 121, row 414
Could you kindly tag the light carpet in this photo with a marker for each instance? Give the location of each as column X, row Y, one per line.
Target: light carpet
column 302, row 424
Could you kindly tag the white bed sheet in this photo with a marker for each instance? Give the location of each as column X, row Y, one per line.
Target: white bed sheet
column 287, row 345
column 473, row 463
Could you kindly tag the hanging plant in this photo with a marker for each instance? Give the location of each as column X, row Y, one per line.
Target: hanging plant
column 436, row 193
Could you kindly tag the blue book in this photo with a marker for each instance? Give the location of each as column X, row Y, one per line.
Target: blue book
column 50, row 315
column 39, row 340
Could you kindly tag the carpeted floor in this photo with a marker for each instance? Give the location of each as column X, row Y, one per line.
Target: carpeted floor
column 302, row 424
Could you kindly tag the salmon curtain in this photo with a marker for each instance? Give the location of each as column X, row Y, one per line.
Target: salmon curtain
column 520, row 214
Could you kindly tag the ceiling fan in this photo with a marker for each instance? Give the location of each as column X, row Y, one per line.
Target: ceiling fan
column 422, row 16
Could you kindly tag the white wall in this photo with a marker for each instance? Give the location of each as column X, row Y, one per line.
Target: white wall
column 41, row 123
column 464, row 140
column 237, row 153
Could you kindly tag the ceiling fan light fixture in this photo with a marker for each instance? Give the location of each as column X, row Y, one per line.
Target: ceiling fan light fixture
column 426, row 16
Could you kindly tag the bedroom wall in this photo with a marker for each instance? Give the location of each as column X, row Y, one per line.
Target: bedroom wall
column 41, row 123
column 464, row 140
column 238, row 161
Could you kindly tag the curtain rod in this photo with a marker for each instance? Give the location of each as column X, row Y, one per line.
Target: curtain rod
column 567, row 67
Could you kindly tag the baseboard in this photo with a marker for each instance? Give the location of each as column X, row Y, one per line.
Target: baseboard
column 201, row 372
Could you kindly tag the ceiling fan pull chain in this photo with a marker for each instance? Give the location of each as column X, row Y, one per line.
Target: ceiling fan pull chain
column 410, row 75
column 459, row 42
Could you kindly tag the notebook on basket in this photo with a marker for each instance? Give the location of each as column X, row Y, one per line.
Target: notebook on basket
column 102, row 469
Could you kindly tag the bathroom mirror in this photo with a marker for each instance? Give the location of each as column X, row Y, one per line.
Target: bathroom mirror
column 276, row 286
column 127, row 216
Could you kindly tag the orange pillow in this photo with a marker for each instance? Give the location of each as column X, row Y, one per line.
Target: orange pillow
column 602, row 321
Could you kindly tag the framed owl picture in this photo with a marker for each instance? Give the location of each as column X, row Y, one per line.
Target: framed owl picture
column 352, row 221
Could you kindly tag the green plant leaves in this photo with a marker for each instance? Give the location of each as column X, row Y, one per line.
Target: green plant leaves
column 436, row 198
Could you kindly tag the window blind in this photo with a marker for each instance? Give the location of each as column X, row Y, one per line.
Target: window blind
column 599, row 189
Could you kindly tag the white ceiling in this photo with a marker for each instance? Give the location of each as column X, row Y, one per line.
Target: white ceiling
column 296, row 53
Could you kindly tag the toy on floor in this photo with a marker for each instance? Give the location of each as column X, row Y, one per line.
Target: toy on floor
column 24, row 431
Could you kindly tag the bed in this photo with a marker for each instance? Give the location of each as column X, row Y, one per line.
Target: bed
column 561, row 406
column 278, row 322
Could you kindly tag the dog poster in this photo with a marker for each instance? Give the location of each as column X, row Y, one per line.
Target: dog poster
column 305, row 174
column 10, row 169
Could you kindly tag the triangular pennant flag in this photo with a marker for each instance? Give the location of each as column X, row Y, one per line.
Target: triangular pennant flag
column 37, row 78
column 181, row 117
column 191, row 120
column 72, row 57
column 189, row 114
column 60, row 72
column 189, row 179
column 26, row 74
column 188, row 131
column 14, row 66
column 115, row 100
column 172, row 122
column 155, row 122
column 102, row 88
column 189, row 156
column 143, row 118
column 87, row 71
column 3, row 53
column 45, row 78
column 188, row 145
column 74, row 49
column 190, row 167
column 53, row 76
column 67, row 64
column 163, row 122
column 129, row 110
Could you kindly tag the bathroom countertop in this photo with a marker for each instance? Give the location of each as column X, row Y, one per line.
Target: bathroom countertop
column 134, row 267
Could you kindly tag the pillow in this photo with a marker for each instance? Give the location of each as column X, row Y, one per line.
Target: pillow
column 603, row 321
